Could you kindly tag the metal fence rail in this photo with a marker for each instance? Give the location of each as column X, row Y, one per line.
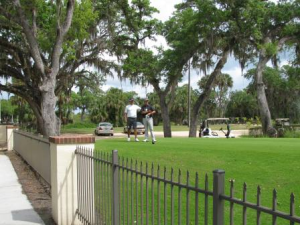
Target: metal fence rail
column 122, row 192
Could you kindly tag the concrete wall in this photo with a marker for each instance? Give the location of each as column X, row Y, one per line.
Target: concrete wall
column 35, row 151
column 256, row 132
column 3, row 136
column 64, row 178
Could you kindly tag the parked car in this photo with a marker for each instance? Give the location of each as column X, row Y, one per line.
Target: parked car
column 140, row 128
column 104, row 128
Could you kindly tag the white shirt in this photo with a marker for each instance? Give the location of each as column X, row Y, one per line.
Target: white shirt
column 131, row 110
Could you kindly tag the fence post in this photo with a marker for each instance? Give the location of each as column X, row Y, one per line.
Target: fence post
column 115, row 188
column 218, row 203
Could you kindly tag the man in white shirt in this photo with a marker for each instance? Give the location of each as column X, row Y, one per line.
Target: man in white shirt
column 130, row 115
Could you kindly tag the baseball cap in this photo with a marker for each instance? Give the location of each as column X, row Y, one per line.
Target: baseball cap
column 131, row 99
column 146, row 99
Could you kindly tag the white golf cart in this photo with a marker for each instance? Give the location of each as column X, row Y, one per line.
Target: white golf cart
column 206, row 132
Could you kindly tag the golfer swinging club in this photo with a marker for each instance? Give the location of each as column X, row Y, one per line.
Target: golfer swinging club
column 130, row 115
column 147, row 112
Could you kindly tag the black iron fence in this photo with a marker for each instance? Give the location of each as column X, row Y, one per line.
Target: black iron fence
column 114, row 191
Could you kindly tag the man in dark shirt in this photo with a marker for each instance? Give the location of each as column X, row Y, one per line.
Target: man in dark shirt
column 147, row 113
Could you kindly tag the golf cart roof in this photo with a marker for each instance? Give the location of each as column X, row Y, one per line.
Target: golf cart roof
column 282, row 119
column 217, row 119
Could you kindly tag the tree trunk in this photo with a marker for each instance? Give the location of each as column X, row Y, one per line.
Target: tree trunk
column 51, row 123
column 68, row 116
column 165, row 116
column 264, row 110
column 82, row 114
column 60, row 113
column 193, row 123
column 206, row 92
column 35, row 106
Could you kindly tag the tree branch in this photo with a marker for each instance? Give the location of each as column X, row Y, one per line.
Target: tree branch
column 34, row 47
column 34, row 27
column 61, row 32
column 32, row 100
column 8, row 16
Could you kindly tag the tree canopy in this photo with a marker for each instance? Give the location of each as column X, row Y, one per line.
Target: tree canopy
column 49, row 47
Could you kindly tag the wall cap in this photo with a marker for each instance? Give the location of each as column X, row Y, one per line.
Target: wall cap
column 31, row 135
column 72, row 139
column 11, row 127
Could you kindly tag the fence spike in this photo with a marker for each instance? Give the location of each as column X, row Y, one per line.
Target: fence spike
column 244, row 200
column 231, row 188
column 274, row 206
column 158, row 172
column 141, row 167
column 258, row 194
column 146, row 168
column 165, row 172
column 258, row 221
column 206, row 182
column 244, row 192
column 231, row 203
column 179, row 176
column 274, row 193
column 152, row 170
column 172, row 174
column 187, row 177
column 292, row 204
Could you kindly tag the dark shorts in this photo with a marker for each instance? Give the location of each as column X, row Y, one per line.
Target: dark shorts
column 131, row 123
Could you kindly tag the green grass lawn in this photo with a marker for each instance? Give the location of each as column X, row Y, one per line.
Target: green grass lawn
column 271, row 163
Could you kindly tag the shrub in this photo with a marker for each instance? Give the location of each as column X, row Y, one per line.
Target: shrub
column 80, row 125
column 291, row 134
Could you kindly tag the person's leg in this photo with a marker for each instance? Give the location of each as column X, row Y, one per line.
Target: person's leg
column 228, row 133
column 145, row 122
column 128, row 131
column 135, row 131
column 128, row 127
column 150, row 124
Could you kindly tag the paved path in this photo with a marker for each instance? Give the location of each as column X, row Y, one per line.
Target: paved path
column 15, row 209
column 236, row 133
